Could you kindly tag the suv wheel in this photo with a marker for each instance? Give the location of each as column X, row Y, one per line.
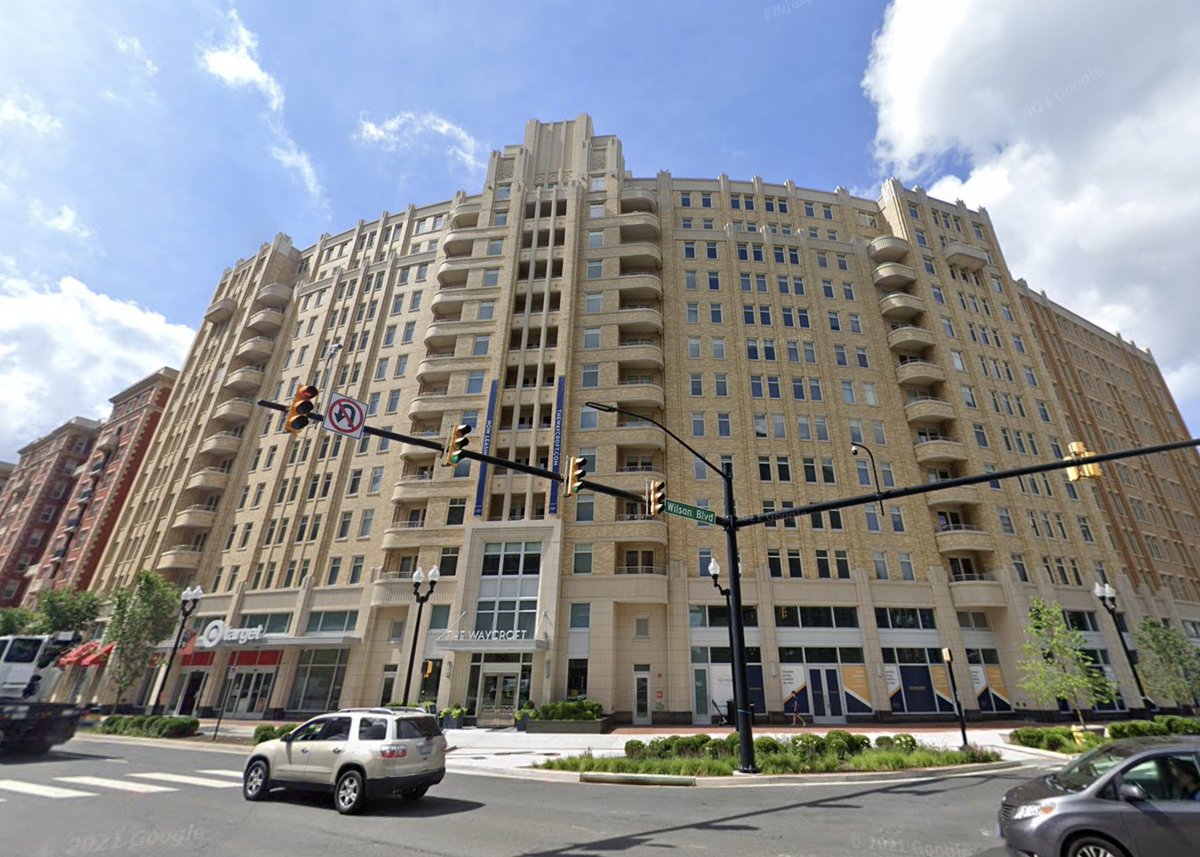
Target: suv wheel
column 350, row 793
column 256, row 782
column 1095, row 846
column 415, row 793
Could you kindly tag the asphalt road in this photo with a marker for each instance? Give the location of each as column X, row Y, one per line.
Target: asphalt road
column 94, row 797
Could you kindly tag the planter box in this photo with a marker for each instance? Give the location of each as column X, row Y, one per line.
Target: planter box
column 452, row 722
column 578, row 727
column 522, row 724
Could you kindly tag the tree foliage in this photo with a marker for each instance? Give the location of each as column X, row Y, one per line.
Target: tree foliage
column 143, row 615
column 16, row 620
column 1169, row 665
column 1055, row 665
column 66, row 610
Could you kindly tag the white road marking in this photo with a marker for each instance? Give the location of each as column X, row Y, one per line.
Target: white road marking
column 119, row 785
column 41, row 790
column 189, row 781
column 221, row 772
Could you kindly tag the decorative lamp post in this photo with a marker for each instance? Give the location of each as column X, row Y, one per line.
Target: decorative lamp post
column 854, row 448
column 714, row 572
column 737, row 635
column 189, row 600
column 418, row 579
column 1108, row 597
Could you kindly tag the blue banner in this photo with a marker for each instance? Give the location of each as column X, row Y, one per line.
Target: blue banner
column 486, row 448
column 556, row 448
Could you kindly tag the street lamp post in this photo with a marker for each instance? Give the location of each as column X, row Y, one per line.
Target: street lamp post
column 418, row 579
column 737, row 634
column 189, row 600
column 714, row 572
column 854, row 448
column 1108, row 597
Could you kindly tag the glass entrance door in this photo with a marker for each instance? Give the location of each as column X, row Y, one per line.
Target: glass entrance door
column 249, row 693
column 641, row 699
column 498, row 699
column 826, row 688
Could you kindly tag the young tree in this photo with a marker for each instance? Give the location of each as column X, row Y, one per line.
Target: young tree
column 66, row 610
column 1055, row 665
column 15, row 620
column 143, row 615
column 1169, row 664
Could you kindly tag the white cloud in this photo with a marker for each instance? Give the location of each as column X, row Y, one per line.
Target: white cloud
column 407, row 131
column 236, row 63
column 65, row 220
column 22, row 111
column 131, row 46
column 65, row 349
column 1078, row 132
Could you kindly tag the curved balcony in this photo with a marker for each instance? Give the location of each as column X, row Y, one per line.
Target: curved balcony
column 193, row 518
column 458, row 243
column 414, row 487
column 960, row 538
column 220, row 310
column 246, row 378
column 636, row 355
column 266, row 321
column 901, row 306
column 221, row 443
column 273, row 295
column 958, row 253
column 638, row 199
column 438, row 365
column 637, row 527
column 208, row 479
column 640, row 254
column 641, row 436
column 919, row 372
column 981, row 592
column 463, row 215
column 644, row 284
column 942, row 449
column 927, row 408
column 451, row 328
column 960, row 495
column 888, row 248
column 433, row 404
column 236, row 410
column 634, row 396
column 453, row 271
column 255, row 348
column 638, row 226
column 893, row 275
column 410, row 453
column 179, row 558
column 910, row 336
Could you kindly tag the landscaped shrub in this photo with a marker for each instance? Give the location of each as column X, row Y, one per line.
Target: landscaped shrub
column 263, row 732
column 809, row 745
column 150, row 726
column 1136, row 729
column 768, row 746
column 571, row 709
column 844, row 744
column 904, row 742
column 635, row 749
column 1178, row 725
column 175, row 727
column 884, row 742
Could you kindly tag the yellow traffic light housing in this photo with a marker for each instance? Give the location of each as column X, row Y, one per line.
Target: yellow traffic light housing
column 656, row 497
column 1077, row 449
column 574, row 475
column 458, row 442
column 303, row 403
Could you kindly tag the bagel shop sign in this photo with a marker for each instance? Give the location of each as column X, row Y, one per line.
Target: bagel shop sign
column 218, row 631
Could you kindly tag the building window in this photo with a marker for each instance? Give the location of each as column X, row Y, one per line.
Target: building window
column 581, row 616
column 582, row 560
column 456, row 511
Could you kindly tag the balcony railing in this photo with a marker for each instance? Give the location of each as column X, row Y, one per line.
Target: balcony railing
column 971, row 576
column 639, row 569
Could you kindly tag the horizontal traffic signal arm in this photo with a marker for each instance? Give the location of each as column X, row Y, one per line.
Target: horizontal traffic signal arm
column 468, row 453
column 863, row 499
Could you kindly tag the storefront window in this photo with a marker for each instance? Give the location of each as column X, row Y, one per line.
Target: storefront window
column 319, row 677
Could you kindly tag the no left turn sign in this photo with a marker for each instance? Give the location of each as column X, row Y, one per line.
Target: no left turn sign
column 345, row 416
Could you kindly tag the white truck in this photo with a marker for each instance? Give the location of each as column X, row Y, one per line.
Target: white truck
column 29, row 670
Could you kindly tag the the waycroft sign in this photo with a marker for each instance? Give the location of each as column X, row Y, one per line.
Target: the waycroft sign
column 487, row 635
column 218, row 631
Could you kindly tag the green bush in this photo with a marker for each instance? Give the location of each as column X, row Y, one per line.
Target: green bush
column 768, row 746
column 571, row 709
column 1136, row 729
column 176, row 727
column 904, row 742
column 635, row 749
column 884, row 742
column 112, row 723
column 150, row 726
column 844, row 744
column 809, row 745
column 264, row 732
column 1177, row 725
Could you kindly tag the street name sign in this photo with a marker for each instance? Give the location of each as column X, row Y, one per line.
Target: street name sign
column 692, row 513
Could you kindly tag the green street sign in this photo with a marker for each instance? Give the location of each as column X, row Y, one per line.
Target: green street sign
column 692, row 513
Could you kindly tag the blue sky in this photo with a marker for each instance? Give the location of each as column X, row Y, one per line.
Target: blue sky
column 147, row 147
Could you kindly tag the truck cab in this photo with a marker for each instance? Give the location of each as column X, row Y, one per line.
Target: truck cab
column 29, row 672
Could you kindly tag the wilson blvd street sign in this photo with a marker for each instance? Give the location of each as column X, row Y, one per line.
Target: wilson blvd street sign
column 692, row 513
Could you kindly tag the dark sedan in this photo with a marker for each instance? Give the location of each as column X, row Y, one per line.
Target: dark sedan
column 1138, row 797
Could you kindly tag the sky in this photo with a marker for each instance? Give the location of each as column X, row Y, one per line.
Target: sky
column 147, row 146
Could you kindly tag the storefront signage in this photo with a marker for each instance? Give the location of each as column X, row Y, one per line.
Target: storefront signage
column 487, row 635
column 218, row 631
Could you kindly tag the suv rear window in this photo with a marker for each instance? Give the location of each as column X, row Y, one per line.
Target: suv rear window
column 373, row 729
column 417, row 727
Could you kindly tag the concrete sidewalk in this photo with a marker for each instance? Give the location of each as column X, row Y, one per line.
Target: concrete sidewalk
column 510, row 752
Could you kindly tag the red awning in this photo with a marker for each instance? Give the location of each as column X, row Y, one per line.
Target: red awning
column 78, row 653
column 98, row 657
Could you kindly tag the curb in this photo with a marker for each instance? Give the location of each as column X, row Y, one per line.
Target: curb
column 170, row 743
column 636, row 779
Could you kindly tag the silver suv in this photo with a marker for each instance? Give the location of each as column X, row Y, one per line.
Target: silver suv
column 357, row 753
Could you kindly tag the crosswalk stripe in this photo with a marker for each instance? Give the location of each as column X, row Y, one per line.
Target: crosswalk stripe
column 119, row 785
column 41, row 790
column 221, row 772
column 188, row 781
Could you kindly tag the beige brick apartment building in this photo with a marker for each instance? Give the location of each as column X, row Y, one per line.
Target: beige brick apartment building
column 765, row 323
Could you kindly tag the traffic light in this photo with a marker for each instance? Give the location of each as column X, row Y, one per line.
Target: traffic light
column 656, row 497
column 303, row 404
column 458, row 442
column 575, row 473
column 1077, row 449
